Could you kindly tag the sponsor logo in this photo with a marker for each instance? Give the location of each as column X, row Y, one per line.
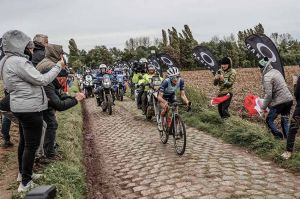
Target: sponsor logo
column 262, row 51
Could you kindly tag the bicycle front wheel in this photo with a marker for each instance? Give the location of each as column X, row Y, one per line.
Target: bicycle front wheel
column 179, row 134
column 163, row 132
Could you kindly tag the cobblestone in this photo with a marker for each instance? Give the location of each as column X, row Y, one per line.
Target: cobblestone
column 139, row 166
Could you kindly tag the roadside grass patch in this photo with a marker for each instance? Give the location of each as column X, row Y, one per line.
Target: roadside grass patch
column 254, row 137
column 68, row 174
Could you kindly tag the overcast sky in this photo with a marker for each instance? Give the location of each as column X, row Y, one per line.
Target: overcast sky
column 112, row 22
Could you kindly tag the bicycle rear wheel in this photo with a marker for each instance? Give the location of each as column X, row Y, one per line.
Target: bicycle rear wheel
column 179, row 135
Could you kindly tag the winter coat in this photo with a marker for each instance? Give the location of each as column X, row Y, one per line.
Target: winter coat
column 56, row 98
column 38, row 53
column 225, row 86
column 136, row 77
column 275, row 88
column 21, row 79
column 147, row 78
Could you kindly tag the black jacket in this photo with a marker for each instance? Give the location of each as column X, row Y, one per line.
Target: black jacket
column 58, row 100
column 297, row 92
column 38, row 53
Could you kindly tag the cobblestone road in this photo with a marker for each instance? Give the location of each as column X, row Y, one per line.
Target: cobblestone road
column 125, row 159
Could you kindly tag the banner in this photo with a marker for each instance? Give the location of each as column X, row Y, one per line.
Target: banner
column 154, row 60
column 262, row 46
column 204, row 56
column 167, row 60
column 1, row 49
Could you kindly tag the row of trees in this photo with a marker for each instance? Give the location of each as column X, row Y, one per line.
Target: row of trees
column 179, row 45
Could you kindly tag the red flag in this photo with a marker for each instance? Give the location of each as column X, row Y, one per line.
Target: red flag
column 218, row 100
column 252, row 104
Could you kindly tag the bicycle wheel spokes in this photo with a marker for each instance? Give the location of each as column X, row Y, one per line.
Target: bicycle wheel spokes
column 179, row 136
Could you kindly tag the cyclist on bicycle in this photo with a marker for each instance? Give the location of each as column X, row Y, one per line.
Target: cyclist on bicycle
column 168, row 88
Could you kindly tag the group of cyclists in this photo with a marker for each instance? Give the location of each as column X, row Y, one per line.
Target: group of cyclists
column 138, row 77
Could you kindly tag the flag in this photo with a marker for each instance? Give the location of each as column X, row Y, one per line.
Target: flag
column 205, row 57
column 167, row 60
column 262, row 46
column 252, row 104
column 218, row 100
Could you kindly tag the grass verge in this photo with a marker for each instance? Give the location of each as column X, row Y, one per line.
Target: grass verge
column 237, row 131
column 68, row 175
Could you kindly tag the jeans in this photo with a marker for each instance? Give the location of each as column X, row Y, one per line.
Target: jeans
column 30, row 127
column 6, row 128
column 294, row 126
column 284, row 110
column 223, row 107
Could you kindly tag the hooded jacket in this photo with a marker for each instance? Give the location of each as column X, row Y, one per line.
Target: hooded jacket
column 20, row 77
column 56, row 98
column 38, row 53
column 226, row 86
column 275, row 88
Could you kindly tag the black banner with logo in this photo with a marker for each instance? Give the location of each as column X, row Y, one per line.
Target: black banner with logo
column 167, row 60
column 262, row 46
column 154, row 60
column 204, row 56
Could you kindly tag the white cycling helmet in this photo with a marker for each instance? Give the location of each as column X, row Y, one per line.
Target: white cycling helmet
column 173, row 71
column 102, row 66
column 143, row 60
column 151, row 67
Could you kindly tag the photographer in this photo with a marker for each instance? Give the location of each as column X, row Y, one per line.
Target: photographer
column 58, row 100
column 27, row 97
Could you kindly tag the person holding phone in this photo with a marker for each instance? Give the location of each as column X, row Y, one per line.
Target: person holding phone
column 28, row 100
column 57, row 99
column 224, row 79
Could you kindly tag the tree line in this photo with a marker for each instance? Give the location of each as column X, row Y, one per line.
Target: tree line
column 179, row 45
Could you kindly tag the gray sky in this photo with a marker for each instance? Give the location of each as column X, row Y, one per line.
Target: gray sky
column 112, row 22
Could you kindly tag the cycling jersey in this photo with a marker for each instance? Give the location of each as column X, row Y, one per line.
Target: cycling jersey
column 169, row 90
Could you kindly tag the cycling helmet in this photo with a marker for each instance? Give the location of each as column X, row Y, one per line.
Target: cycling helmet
column 143, row 60
column 173, row 71
column 87, row 71
column 102, row 66
column 151, row 67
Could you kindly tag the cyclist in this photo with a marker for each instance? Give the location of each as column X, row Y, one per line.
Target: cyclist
column 145, row 84
column 168, row 88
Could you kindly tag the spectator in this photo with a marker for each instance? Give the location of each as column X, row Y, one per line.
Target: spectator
column 27, row 97
column 225, row 79
column 5, row 121
column 277, row 97
column 57, row 99
column 40, row 42
column 295, row 122
column 62, row 78
column 5, row 130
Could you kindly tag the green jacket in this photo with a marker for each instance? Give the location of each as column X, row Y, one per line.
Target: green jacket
column 136, row 77
column 147, row 80
column 226, row 86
